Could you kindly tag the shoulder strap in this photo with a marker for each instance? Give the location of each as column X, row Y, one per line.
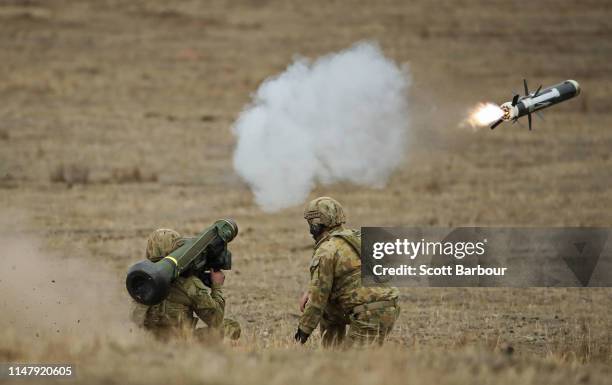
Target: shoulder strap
column 354, row 240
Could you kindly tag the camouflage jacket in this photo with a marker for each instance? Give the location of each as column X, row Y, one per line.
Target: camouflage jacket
column 187, row 295
column 335, row 279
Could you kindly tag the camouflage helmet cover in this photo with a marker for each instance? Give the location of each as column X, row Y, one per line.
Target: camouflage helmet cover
column 162, row 242
column 325, row 211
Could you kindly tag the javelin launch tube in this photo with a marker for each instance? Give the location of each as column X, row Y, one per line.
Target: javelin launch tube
column 149, row 282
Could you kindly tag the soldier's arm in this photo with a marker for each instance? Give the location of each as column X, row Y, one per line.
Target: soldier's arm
column 209, row 308
column 321, row 281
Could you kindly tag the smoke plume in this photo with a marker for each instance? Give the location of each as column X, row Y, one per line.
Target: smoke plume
column 343, row 117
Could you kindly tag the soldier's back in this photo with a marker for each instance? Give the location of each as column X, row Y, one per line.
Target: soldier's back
column 347, row 291
column 175, row 311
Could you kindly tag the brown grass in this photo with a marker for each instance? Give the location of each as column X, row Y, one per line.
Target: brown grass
column 70, row 174
column 132, row 175
column 141, row 360
column 155, row 85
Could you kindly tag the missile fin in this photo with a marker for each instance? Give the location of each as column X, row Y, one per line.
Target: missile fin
column 537, row 91
column 526, row 89
column 529, row 119
column 515, row 99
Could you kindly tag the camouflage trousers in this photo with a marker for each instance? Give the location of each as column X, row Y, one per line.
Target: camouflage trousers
column 230, row 329
column 366, row 328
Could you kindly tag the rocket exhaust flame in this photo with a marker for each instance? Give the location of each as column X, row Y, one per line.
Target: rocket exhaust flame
column 484, row 114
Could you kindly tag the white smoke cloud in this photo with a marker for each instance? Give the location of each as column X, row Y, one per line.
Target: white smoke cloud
column 343, row 117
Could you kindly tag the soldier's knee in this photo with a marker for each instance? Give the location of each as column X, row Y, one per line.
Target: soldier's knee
column 372, row 327
column 231, row 329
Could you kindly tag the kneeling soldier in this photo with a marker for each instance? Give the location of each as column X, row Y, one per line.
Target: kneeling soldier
column 174, row 316
column 336, row 299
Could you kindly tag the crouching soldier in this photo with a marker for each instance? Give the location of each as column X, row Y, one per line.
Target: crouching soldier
column 174, row 316
column 336, row 299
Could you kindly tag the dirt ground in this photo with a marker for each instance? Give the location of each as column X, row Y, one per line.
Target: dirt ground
column 116, row 119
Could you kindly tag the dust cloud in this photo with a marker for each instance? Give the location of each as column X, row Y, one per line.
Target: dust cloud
column 47, row 296
column 343, row 117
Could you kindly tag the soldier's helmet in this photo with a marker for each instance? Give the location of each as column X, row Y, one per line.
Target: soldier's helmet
column 162, row 242
column 325, row 211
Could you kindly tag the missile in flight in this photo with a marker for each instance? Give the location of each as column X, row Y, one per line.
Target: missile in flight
column 534, row 101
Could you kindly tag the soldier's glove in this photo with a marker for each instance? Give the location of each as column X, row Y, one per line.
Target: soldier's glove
column 301, row 336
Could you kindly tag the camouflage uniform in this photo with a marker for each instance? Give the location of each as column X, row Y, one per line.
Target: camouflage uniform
column 336, row 297
column 188, row 295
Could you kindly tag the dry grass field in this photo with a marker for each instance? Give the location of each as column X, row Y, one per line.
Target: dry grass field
column 115, row 119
